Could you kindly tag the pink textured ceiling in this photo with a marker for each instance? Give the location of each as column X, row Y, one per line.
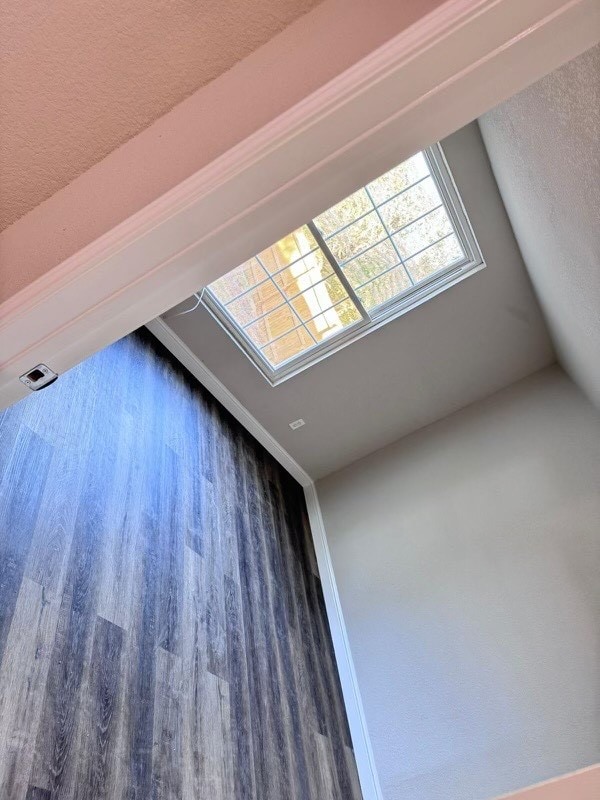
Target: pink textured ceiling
column 304, row 56
column 80, row 77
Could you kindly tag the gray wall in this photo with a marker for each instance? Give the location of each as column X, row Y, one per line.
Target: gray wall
column 467, row 558
column 544, row 147
column 463, row 345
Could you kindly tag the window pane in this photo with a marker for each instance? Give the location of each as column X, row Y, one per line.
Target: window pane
column 272, row 326
column 435, row 258
column 319, row 297
column 384, row 288
column 383, row 240
column 253, row 304
column 287, row 250
column 288, row 346
column 398, row 179
column 334, row 320
column 343, row 213
column 412, row 204
column 379, row 258
column 303, row 274
column 357, row 237
column 238, row 280
column 422, row 233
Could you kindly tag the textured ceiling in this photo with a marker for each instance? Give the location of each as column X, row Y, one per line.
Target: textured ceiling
column 80, row 77
column 544, row 145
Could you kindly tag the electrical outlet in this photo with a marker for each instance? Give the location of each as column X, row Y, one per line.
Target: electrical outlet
column 297, row 423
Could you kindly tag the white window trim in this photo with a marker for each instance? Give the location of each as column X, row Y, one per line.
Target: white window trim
column 394, row 308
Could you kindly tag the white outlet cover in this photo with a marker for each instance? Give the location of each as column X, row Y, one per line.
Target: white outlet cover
column 297, row 423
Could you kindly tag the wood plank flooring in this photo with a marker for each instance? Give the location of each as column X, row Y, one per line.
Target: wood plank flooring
column 163, row 633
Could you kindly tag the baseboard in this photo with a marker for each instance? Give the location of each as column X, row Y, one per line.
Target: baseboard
column 356, row 719
column 354, row 708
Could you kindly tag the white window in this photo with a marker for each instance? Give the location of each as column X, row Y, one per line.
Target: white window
column 375, row 255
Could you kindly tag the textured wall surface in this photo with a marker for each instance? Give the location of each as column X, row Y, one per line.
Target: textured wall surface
column 163, row 634
column 78, row 78
column 544, row 146
column 467, row 559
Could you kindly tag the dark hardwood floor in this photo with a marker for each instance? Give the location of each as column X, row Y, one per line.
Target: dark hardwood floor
column 162, row 626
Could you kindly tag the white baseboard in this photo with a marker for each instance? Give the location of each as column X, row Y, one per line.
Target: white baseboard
column 356, row 719
column 361, row 741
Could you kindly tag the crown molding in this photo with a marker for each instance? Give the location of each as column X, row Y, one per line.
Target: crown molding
column 442, row 72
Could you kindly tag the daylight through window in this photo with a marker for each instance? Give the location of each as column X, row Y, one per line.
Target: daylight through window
column 369, row 258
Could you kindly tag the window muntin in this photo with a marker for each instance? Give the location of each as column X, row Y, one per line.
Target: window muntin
column 369, row 258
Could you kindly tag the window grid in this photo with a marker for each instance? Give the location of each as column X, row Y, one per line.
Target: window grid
column 393, row 233
column 377, row 314
column 389, row 236
column 285, row 301
column 334, row 263
column 269, row 275
column 374, row 205
column 337, row 269
column 302, row 325
column 413, row 255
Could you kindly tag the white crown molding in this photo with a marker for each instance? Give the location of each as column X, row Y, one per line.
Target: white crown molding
column 443, row 71
column 356, row 718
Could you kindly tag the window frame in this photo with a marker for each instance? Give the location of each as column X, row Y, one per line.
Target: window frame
column 386, row 312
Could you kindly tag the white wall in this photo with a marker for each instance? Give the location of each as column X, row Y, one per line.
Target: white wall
column 544, row 148
column 467, row 558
